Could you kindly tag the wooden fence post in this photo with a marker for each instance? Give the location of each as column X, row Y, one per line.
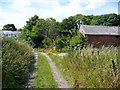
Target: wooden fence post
column 114, row 68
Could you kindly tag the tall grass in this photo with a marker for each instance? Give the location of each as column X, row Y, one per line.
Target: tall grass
column 17, row 60
column 91, row 67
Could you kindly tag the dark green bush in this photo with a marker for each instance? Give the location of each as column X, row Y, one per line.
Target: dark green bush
column 59, row 43
column 17, row 59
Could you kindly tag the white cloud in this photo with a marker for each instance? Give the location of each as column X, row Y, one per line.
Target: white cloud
column 112, row 0
column 24, row 9
column 93, row 4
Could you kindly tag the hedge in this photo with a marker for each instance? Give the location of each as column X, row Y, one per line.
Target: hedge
column 17, row 59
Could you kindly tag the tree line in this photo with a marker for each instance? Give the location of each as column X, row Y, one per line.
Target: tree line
column 46, row 33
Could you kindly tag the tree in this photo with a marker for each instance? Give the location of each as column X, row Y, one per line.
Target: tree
column 119, row 19
column 39, row 32
column 45, row 31
column 27, row 29
column 113, row 19
column 20, row 29
column 9, row 27
column 106, row 20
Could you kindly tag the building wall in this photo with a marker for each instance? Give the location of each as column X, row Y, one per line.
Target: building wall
column 101, row 40
column 10, row 33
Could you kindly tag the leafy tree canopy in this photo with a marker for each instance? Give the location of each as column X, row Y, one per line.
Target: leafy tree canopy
column 48, row 32
column 26, row 31
column 9, row 27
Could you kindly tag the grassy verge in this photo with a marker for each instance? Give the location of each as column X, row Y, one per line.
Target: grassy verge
column 44, row 77
column 90, row 67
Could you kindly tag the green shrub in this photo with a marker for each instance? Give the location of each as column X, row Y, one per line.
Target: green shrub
column 17, row 59
column 47, row 42
column 77, row 41
column 59, row 43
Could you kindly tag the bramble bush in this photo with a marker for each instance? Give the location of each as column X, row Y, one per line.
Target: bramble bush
column 17, row 59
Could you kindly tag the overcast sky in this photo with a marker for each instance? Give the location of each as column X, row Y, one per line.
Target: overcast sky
column 19, row 11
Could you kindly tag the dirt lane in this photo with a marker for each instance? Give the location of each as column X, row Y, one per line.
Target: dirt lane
column 62, row 83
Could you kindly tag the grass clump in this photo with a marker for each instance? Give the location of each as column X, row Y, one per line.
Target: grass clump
column 44, row 77
column 91, row 67
column 17, row 59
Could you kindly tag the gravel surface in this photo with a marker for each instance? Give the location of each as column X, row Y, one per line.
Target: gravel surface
column 60, row 54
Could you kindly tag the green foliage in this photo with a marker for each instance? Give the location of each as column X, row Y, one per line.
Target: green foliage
column 26, row 31
column 94, row 22
column 44, row 77
column 77, row 41
column 90, row 67
column 17, row 62
column 9, row 27
column 69, row 23
column 19, row 29
column 39, row 32
column 106, row 20
column 40, row 29
column 48, row 32
column 72, row 21
column 47, row 42
column 59, row 43
column 119, row 19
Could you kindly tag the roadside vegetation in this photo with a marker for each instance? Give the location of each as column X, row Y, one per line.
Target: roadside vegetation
column 90, row 67
column 17, row 60
column 44, row 77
